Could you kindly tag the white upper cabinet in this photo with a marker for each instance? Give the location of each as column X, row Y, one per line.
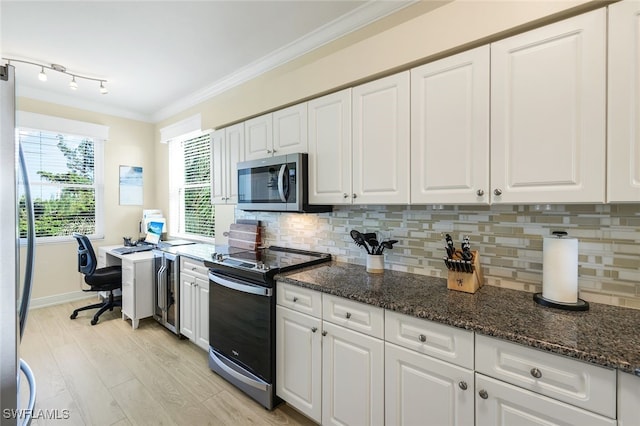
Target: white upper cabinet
column 330, row 149
column 450, row 130
column 278, row 133
column 381, row 165
column 623, row 171
column 548, row 113
column 227, row 150
column 258, row 137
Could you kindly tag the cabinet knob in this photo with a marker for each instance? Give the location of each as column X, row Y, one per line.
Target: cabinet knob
column 480, row 192
column 268, row 151
column 314, row 329
column 497, row 191
column 354, row 196
column 483, row 394
column 462, row 385
column 345, row 195
column 324, row 333
column 422, row 338
column 295, row 299
column 348, row 315
column 536, row 373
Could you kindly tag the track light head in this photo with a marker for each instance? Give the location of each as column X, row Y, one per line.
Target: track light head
column 42, row 76
column 72, row 84
column 103, row 89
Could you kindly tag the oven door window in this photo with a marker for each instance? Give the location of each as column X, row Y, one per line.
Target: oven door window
column 268, row 184
column 240, row 325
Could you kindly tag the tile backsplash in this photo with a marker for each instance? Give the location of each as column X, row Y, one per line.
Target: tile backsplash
column 508, row 238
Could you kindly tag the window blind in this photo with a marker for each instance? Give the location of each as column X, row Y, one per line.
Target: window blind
column 62, row 175
column 197, row 211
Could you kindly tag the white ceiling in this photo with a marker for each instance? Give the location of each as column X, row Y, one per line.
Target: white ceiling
column 161, row 57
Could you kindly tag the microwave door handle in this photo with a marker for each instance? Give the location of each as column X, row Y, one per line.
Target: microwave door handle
column 283, row 189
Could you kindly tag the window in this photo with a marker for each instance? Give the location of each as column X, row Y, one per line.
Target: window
column 192, row 214
column 65, row 176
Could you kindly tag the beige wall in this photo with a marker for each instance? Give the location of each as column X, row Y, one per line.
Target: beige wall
column 130, row 143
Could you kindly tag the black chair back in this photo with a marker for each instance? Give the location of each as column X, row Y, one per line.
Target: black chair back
column 87, row 261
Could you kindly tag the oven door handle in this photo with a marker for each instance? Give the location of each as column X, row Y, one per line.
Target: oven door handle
column 245, row 288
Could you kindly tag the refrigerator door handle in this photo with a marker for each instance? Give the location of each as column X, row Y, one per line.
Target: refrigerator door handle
column 31, row 238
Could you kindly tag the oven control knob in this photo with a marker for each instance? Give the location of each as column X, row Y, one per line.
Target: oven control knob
column 262, row 266
column 218, row 256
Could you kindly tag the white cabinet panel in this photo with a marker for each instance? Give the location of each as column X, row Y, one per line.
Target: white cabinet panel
column 227, row 150
column 356, row 316
column 578, row 383
column 218, row 174
column 258, row 137
column 202, row 313
column 548, row 112
column 300, row 299
column 623, row 159
column 298, row 361
column 381, row 163
column 187, row 297
column 290, row 130
column 423, row 390
column 499, row 403
column 628, row 399
column 353, row 378
column 450, row 129
column 330, row 149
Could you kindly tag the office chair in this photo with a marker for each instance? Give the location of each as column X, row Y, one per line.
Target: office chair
column 100, row 279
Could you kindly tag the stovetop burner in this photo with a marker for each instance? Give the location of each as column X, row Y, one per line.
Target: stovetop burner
column 264, row 263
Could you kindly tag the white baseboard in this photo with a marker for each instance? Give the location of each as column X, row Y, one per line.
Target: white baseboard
column 57, row 299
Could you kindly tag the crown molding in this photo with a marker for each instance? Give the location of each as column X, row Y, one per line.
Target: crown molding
column 367, row 13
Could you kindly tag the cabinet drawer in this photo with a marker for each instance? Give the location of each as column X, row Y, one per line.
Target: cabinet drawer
column 300, row 299
column 575, row 382
column 444, row 342
column 354, row 315
column 194, row 267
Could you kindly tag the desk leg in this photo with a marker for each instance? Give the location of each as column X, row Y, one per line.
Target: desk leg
column 134, row 323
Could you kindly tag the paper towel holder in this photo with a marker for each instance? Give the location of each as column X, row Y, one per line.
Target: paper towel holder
column 579, row 305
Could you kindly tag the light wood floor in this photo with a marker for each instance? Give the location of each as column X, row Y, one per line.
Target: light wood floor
column 110, row 374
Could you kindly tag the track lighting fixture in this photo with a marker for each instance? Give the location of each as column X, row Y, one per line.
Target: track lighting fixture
column 73, row 85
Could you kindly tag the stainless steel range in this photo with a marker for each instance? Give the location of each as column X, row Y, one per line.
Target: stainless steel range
column 242, row 308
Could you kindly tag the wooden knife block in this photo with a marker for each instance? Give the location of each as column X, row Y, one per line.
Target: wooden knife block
column 465, row 281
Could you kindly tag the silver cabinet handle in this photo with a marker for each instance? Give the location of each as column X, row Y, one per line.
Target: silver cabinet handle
column 422, row 338
column 295, row 299
column 348, row 315
column 314, row 329
column 480, row 192
column 324, row 333
column 462, row 385
column 345, row 195
column 354, row 196
column 268, row 151
column 483, row 394
column 497, row 191
column 274, row 151
column 536, row 373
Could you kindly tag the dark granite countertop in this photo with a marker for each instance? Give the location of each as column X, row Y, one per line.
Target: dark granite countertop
column 605, row 335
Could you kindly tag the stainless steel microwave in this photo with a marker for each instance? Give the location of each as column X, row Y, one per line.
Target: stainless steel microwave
column 277, row 184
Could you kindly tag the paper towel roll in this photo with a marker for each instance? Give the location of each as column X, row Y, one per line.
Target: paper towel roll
column 560, row 269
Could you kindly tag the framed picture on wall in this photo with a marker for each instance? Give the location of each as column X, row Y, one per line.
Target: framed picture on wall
column 131, row 186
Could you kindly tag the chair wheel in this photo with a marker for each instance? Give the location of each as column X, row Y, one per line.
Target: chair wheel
column 74, row 315
column 94, row 322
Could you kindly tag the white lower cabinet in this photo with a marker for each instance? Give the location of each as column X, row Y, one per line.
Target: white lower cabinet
column 422, row 390
column 137, row 279
column 500, row 403
column 352, row 377
column 194, row 302
column 298, row 361
column 628, row 399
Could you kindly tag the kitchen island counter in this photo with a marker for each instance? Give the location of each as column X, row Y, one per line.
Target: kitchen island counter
column 604, row 335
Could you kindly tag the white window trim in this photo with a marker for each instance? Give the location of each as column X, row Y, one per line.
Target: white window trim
column 97, row 132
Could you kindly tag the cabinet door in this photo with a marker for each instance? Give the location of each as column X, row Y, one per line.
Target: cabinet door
column 330, row 149
column 628, row 399
column 352, row 378
column 381, row 164
column 258, row 137
column 128, row 289
column 423, row 390
column 143, row 285
column 218, row 171
column 498, row 403
column 298, row 362
column 234, row 138
column 290, row 130
column 623, row 179
column 450, row 130
column 201, row 314
column 548, row 108
column 187, row 289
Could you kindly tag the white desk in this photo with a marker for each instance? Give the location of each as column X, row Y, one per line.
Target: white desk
column 137, row 281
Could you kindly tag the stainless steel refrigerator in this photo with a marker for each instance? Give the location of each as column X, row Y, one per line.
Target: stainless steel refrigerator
column 15, row 285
